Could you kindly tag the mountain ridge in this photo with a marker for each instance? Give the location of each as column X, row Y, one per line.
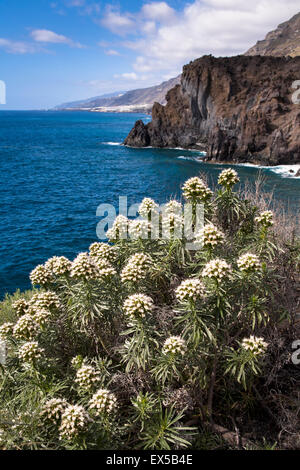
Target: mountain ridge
column 282, row 41
column 141, row 98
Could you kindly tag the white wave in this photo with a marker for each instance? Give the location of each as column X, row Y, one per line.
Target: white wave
column 192, row 159
column 112, row 143
column 188, row 150
column 286, row 171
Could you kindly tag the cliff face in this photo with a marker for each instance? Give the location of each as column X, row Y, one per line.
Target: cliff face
column 237, row 108
column 283, row 41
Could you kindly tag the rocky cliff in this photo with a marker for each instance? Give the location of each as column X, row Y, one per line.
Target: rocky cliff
column 237, row 109
column 283, row 41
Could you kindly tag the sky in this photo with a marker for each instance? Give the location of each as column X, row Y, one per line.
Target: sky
column 55, row 51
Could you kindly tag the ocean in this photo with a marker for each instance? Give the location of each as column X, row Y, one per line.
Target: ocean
column 58, row 167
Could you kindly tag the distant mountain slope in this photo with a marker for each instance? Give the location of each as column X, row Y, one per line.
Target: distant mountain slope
column 103, row 100
column 283, row 41
column 134, row 98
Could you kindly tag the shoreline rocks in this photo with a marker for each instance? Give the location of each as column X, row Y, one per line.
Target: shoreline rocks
column 238, row 109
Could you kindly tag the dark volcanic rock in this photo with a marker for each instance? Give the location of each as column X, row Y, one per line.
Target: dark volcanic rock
column 139, row 136
column 240, row 108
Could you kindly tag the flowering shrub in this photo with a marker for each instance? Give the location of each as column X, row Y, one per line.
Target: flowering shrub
column 228, row 178
column 102, row 252
column 87, row 377
column 83, row 267
column 217, row 269
column 195, row 190
column 138, row 305
column 103, row 402
column 127, row 344
column 54, row 408
column 74, row 420
column 255, row 345
column 210, row 236
column 147, row 208
column 190, row 289
column 265, row 218
column 30, row 352
column 119, row 229
column 249, row 263
column 58, row 265
column 137, row 268
column 174, row 345
column 40, row 276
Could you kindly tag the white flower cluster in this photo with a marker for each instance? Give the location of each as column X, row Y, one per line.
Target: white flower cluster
column 30, row 351
column 173, row 207
column 102, row 252
column 26, row 327
column 139, row 229
column 74, row 420
column 41, row 317
column 44, row 300
column 194, row 189
column 119, row 228
column 172, row 225
column 136, row 268
column 138, row 305
column 190, row 289
column 265, row 218
column 249, row 263
column 210, row 236
column 58, row 265
column 103, row 402
column 76, row 362
column 174, row 345
column 87, row 377
column 255, row 344
column 107, row 273
column 84, row 267
column 40, row 275
column 228, row 178
column 6, row 330
column 54, row 408
column 20, row 307
column 217, row 269
column 147, row 207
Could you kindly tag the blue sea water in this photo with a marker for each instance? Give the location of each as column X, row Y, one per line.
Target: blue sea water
column 57, row 167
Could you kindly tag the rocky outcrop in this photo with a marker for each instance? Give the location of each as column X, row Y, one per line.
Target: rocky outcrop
column 239, row 108
column 283, row 41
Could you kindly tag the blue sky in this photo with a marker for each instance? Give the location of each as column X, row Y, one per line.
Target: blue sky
column 52, row 51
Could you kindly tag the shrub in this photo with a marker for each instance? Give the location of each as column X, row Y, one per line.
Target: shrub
column 146, row 344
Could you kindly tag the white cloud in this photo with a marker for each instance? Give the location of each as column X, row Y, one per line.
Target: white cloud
column 116, row 22
column 47, row 36
column 127, row 76
column 17, row 47
column 158, row 11
column 112, row 52
column 164, row 39
column 84, row 7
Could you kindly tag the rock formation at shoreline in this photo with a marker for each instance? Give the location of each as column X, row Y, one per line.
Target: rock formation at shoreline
column 239, row 108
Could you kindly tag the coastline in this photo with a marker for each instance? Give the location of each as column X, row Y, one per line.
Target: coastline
column 285, row 170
